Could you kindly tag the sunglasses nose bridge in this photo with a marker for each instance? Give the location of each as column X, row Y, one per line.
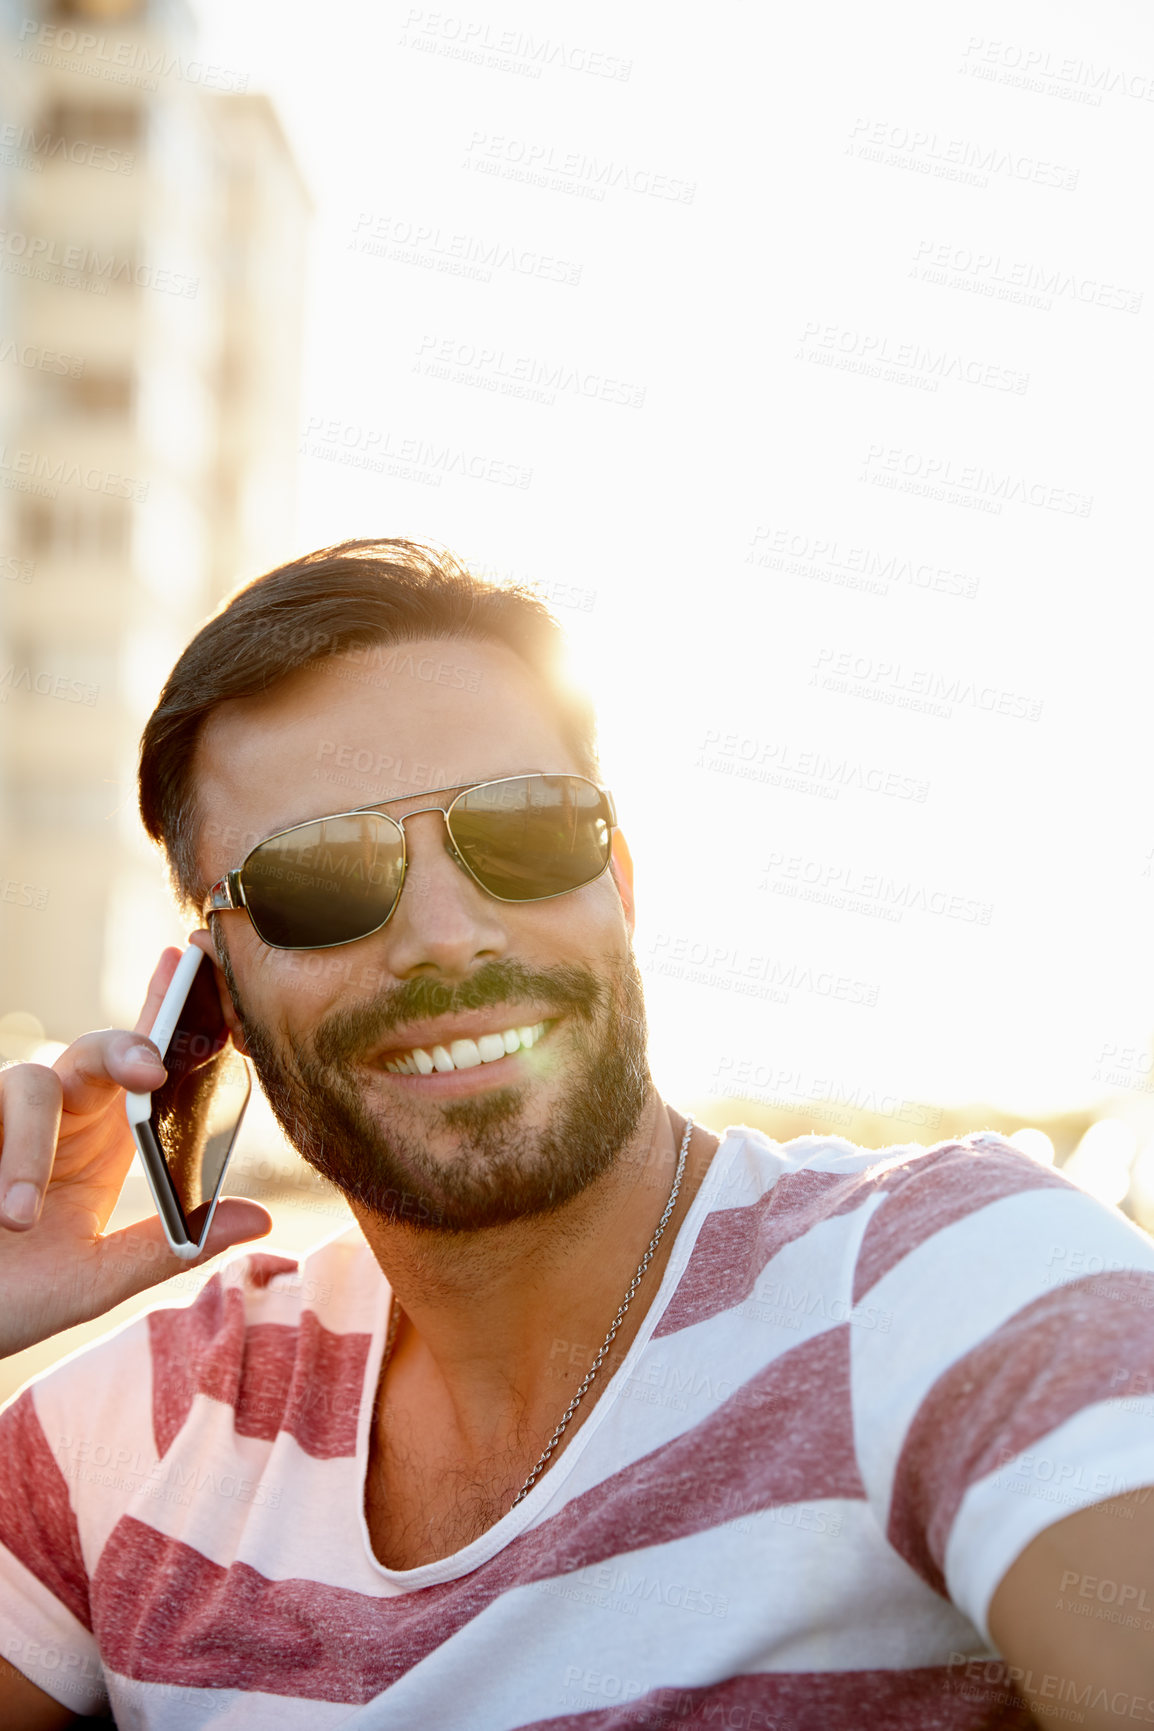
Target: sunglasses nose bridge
column 419, row 812
column 450, row 844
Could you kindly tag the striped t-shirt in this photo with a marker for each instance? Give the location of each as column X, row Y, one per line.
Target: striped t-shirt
column 866, row 1382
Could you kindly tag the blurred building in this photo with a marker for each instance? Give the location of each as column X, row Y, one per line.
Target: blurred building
column 151, row 280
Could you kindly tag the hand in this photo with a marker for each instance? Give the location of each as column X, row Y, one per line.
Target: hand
column 65, row 1147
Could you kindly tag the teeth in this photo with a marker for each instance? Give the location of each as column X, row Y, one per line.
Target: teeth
column 465, row 1054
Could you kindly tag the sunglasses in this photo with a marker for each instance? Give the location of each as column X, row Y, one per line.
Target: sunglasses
column 525, row 838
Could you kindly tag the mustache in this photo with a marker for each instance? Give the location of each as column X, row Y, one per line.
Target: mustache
column 349, row 1033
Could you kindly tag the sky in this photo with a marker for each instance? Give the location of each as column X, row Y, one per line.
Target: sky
column 799, row 357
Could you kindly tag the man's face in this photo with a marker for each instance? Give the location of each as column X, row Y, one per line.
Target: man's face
column 463, row 1148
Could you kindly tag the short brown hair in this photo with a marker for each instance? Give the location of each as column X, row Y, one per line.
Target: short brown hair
column 338, row 598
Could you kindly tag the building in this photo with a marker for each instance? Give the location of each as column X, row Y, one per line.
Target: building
column 152, row 265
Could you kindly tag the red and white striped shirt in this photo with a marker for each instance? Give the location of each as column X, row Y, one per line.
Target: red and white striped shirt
column 866, row 1383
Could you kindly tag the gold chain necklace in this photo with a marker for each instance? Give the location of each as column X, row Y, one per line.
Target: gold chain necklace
column 563, row 1425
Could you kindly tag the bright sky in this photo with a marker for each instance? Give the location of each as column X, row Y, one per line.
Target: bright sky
column 840, row 483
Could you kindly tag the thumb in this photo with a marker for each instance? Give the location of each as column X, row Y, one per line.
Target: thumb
column 139, row 1256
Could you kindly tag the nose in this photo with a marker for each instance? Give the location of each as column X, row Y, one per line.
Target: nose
column 444, row 923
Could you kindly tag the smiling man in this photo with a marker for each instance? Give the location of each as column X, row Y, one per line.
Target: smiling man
column 593, row 1421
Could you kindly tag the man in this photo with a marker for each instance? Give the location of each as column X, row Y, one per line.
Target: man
column 595, row 1422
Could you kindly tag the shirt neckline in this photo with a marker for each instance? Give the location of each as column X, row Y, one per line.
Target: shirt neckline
column 511, row 1525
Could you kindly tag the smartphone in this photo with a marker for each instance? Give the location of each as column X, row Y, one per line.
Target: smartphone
column 186, row 1129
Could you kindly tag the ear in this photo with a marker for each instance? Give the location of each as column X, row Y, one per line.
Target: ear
column 203, row 941
column 621, row 865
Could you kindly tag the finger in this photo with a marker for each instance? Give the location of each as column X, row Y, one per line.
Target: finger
column 97, row 1064
column 157, row 986
column 32, row 1103
column 236, row 1221
column 137, row 1257
column 202, row 940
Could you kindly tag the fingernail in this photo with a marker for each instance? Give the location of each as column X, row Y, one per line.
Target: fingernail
column 22, row 1204
column 144, row 1055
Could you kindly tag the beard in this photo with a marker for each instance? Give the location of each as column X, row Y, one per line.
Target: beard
column 503, row 1168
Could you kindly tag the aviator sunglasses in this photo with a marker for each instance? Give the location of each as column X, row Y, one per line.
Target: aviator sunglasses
column 332, row 880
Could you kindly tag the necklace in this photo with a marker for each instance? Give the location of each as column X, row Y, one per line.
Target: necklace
column 394, row 1320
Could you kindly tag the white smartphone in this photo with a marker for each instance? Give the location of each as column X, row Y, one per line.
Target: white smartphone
column 186, row 1129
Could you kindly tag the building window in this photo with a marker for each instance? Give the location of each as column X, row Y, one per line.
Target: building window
column 110, row 123
column 85, row 527
column 106, row 11
column 95, row 394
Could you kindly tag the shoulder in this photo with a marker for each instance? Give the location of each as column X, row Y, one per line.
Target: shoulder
column 923, row 1209
column 240, row 1341
column 268, row 1336
column 820, row 1176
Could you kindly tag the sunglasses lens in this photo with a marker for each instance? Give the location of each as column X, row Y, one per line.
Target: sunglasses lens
column 532, row 836
column 326, row 882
